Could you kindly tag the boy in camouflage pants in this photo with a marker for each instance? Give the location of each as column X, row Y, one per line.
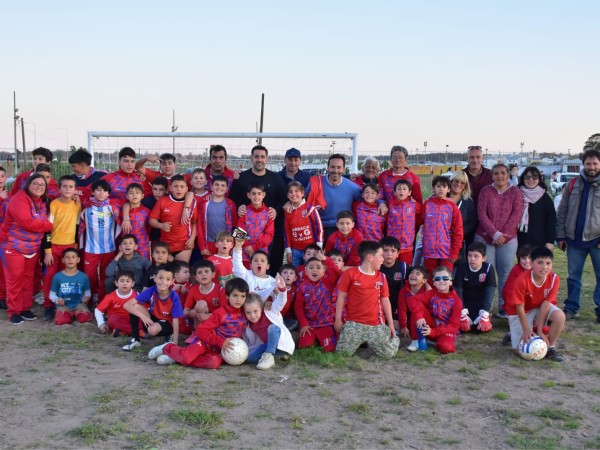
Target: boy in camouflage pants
column 367, row 305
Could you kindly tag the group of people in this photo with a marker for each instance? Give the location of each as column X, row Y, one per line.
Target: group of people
column 344, row 259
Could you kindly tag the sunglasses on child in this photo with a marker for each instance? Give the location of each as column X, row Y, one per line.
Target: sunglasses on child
column 442, row 278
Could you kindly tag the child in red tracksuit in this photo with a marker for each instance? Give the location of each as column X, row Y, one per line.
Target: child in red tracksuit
column 437, row 312
column 303, row 225
column 346, row 239
column 314, row 306
column 204, row 297
column 417, row 284
column 404, row 219
column 112, row 306
column 213, row 334
column 368, row 221
column 256, row 223
column 442, row 228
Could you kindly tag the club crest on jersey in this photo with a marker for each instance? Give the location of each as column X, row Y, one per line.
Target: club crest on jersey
column 546, row 293
column 215, row 301
column 305, row 213
column 378, row 285
column 482, row 277
column 398, row 276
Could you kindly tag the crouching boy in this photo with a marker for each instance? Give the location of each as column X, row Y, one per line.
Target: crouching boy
column 71, row 291
column 534, row 299
column 364, row 293
column 437, row 312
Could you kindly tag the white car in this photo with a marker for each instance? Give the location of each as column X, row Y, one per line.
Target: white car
column 561, row 181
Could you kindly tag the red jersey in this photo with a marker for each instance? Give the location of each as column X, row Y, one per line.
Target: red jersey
column 363, row 304
column 152, row 175
column 112, row 304
column 167, row 209
column 387, row 179
column 509, row 285
column 53, row 191
column 223, row 268
column 531, row 295
column 214, row 298
column 403, row 296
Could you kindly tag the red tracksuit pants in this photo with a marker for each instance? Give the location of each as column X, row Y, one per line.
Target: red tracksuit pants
column 2, row 283
column 195, row 355
column 18, row 276
column 445, row 342
column 324, row 335
column 94, row 266
column 121, row 322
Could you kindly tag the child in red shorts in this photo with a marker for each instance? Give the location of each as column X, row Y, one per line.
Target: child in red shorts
column 112, row 306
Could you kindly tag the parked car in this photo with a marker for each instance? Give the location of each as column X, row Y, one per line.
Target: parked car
column 561, row 181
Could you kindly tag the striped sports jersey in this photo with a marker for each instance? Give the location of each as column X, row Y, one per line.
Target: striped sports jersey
column 100, row 227
column 65, row 217
column 387, row 179
column 368, row 222
column 303, row 227
column 442, row 230
column 314, row 305
column 140, row 228
column 403, row 219
column 347, row 245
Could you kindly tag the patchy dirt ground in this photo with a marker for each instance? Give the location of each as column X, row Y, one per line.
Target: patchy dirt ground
column 70, row 387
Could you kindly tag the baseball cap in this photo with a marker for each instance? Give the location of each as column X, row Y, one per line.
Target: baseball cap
column 293, row 152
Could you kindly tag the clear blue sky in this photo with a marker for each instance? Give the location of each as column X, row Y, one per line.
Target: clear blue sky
column 396, row 72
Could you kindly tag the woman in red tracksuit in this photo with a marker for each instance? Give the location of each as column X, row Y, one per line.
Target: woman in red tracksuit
column 21, row 235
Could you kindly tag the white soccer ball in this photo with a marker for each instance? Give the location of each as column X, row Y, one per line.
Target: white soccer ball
column 237, row 355
column 534, row 350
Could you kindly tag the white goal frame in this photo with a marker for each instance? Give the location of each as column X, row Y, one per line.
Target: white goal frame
column 352, row 136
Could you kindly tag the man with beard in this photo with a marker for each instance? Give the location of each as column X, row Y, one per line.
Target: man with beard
column 274, row 199
column 218, row 165
column 578, row 230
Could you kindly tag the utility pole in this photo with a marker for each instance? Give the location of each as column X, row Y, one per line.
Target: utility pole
column 425, row 145
column 23, row 136
column 173, row 130
column 446, row 161
column 16, row 118
column 262, row 117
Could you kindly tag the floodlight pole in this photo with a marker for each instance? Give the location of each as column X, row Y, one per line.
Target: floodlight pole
column 262, row 117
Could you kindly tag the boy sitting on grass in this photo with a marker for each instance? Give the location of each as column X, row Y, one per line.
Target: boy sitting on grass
column 159, row 309
column 71, row 291
column 363, row 292
column 213, row 334
column 534, row 299
column 437, row 312
column 112, row 306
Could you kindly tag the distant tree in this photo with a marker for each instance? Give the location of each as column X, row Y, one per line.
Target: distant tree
column 385, row 165
column 593, row 143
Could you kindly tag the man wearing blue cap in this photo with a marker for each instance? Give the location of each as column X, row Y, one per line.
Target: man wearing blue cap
column 291, row 171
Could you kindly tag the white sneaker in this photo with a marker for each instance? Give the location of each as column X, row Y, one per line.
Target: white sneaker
column 266, row 361
column 164, row 360
column 39, row 298
column 156, row 352
column 131, row 345
column 413, row 346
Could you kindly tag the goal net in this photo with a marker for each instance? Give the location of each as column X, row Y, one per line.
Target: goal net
column 193, row 149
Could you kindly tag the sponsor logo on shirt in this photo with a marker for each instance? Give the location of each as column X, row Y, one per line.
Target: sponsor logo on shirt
column 482, row 277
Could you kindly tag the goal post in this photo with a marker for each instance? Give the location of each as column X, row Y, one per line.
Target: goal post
column 193, row 147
